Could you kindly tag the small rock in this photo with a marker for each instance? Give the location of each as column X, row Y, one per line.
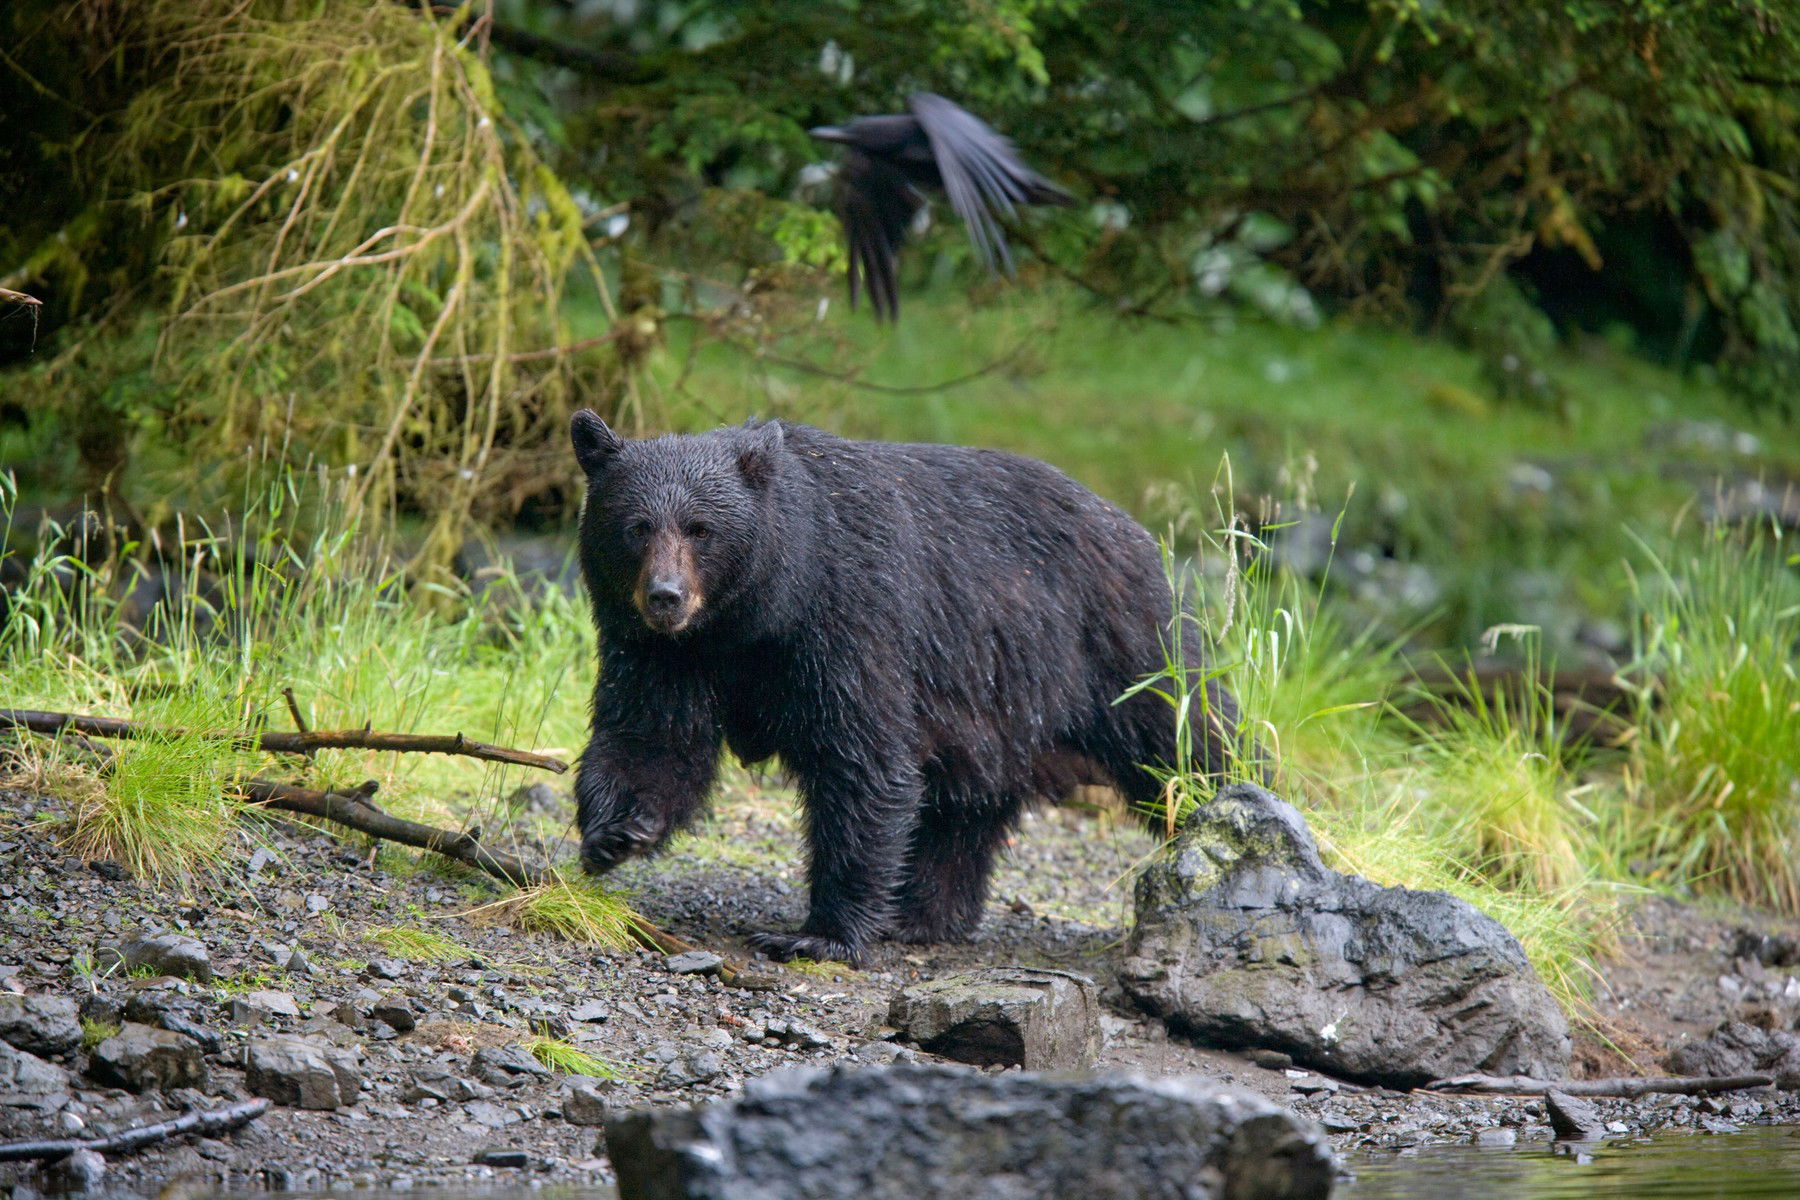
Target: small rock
column 694, row 962
column 495, row 1156
column 81, row 1171
column 538, row 798
column 1271, row 1060
column 1573, row 1119
column 485, row 1112
column 24, row 1074
column 1339, row 1123
column 1004, row 1016
column 172, row 1011
column 386, row 968
column 507, row 1066
column 260, row 859
column 255, row 1007
column 140, row 1058
column 695, row 1066
column 584, row 1103
column 1493, row 1137
column 435, row 1083
column 300, row 1073
column 39, row 1024
column 298, row 963
column 316, row 903
column 161, row 954
column 396, row 1014
column 591, row 1010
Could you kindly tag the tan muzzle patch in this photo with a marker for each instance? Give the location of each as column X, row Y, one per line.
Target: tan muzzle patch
column 668, row 594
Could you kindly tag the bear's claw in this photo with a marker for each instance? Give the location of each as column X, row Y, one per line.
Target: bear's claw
column 783, row 947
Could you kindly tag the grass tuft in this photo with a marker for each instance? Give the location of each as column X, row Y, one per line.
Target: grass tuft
column 418, row 945
column 1717, row 750
column 95, row 1032
column 566, row 1059
column 574, row 911
column 163, row 806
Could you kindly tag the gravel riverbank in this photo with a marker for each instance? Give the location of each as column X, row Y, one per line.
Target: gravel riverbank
column 414, row 1065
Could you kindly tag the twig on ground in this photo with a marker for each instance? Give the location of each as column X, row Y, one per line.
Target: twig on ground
column 276, row 742
column 354, row 810
column 207, row 1123
column 1521, row 1085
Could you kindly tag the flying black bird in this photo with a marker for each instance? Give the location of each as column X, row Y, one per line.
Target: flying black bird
column 937, row 145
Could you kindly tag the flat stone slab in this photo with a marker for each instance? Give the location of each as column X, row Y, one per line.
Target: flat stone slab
column 908, row 1132
column 1245, row 940
column 1041, row 1020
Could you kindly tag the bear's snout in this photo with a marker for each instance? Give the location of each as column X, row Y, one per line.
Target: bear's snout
column 668, row 589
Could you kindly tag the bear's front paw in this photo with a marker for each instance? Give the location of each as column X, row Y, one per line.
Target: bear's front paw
column 605, row 849
column 785, row 946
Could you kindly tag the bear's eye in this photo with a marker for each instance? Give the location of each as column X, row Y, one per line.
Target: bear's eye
column 698, row 532
column 638, row 529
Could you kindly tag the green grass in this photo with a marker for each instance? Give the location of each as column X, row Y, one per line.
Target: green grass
column 418, row 945
column 289, row 593
column 1139, row 409
column 1718, row 751
column 566, row 1059
column 95, row 1032
column 574, row 910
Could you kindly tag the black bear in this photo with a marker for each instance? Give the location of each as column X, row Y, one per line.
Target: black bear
column 929, row 637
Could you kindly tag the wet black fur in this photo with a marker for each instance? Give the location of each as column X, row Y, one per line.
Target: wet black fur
column 929, row 637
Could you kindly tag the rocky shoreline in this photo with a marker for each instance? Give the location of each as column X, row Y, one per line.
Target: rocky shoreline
column 396, row 1073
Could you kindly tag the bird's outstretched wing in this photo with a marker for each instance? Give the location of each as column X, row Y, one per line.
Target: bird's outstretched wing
column 983, row 174
column 877, row 205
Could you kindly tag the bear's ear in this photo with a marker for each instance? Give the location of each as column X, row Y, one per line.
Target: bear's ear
column 594, row 442
column 757, row 459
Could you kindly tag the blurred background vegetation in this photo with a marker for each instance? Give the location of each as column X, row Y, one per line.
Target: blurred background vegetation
column 1458, row 313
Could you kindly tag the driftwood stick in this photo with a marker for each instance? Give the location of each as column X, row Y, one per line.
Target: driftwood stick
column 207, row 1123
column 353, row 809
column 1521, row 1085
column 274, row 741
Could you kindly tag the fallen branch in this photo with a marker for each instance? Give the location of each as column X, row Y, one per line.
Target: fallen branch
column 276, row 742
column 209, row 1123
column 353, row 810
column 1521, row 1085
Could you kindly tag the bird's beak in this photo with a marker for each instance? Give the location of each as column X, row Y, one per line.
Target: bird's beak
column 829, row 133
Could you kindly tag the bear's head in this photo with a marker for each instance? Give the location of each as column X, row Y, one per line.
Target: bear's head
column 670, row 523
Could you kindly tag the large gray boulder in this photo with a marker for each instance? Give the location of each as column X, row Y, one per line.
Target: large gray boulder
column 1041, row 1020
column 1245, row 939
column 909, row 1131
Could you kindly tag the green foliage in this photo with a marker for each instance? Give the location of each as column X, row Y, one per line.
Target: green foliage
column 348, row 252
column 566, row 1059
column 1718, row 746
column 1633, row 157
column 291, row 594
column 417, row 944
column 95, row 1032
column 574, row 910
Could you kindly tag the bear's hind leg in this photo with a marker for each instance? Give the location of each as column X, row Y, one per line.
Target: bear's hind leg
column 953, row 850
